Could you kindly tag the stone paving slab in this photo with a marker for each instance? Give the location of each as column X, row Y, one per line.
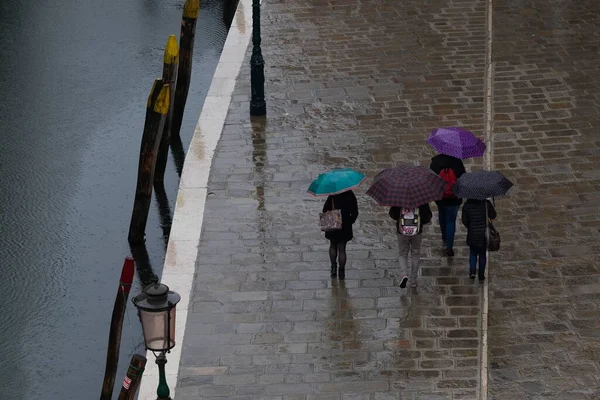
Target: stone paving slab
column 353, row 83
column 545, row 292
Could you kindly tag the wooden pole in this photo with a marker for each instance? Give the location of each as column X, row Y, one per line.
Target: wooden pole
column 116, row 326
column 191, row 9
column 156, row 111
column 132, row 377
column 169, row 78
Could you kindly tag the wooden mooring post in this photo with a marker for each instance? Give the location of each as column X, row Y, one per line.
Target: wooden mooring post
column 191, row 9
column 156, row 111
column 116, row 327
column 169, row 77
column 133, row 377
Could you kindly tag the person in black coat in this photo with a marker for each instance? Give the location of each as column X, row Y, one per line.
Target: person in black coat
column 346, row 202
column 449, row 205
column 410, row 244
column 474, row 219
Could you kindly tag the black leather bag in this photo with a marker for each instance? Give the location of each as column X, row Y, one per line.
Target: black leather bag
column 492, row 237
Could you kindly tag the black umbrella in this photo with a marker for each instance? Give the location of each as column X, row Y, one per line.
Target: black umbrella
column 481, row 185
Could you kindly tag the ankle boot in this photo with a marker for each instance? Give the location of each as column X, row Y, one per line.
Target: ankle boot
column 342, row 272
column 333, row 270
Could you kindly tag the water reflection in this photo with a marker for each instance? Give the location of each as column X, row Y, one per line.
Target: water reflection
column 68, row 172
column 143, row 267
column 342, row 315
column 178, row 153
column 164, row 211
column 229, row 8
column 259, row 160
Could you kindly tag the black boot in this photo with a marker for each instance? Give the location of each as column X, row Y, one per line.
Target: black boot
column 334, row 270
column 342, row 272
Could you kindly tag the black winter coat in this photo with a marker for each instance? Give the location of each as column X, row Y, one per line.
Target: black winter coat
column 424, row 212
column 473, row 218
column 441, row 161
column 346, row 202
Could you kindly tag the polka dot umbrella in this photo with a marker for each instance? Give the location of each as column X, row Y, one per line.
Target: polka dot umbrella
column 481, row 185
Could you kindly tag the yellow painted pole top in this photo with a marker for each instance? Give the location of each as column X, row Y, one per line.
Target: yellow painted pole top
column 171, row 50
column 191, row 8
column 149, row 102
column 162, row 101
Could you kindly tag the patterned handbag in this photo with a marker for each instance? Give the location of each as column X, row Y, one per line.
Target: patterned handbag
column 331, row 220
column 492, row 236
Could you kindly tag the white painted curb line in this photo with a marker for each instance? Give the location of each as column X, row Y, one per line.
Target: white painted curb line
column 182, row 252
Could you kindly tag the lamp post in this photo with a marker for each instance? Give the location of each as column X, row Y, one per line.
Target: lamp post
column 156, row 310
column 258, row 106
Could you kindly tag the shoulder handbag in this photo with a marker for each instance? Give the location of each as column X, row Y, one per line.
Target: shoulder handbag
column 331, row 220
column 492, row 237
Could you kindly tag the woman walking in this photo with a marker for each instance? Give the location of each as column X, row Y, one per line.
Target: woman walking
column 450, row 169
column 408, row 189
column 346, row 202
column 474, row 219
column 409, row 228
column 454, row 145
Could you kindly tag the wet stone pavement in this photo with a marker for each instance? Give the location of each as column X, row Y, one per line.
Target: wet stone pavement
column 545, row 285
column 349, row 84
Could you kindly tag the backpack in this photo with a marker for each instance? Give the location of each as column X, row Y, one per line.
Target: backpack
column 409, row 223
column 449, row 176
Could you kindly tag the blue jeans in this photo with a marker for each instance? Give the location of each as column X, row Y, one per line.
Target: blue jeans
column 447, row 215
column 477, row 253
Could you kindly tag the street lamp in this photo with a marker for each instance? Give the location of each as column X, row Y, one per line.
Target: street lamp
column 156, row 310
column 258, row 106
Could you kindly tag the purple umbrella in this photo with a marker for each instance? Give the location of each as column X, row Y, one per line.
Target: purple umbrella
column 456, row 142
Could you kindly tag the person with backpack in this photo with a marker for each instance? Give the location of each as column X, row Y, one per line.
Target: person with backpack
column 474, row 219
column 347, row 203
column 450, row 169
column 409, row 227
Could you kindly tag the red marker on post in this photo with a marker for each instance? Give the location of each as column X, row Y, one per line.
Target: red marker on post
column 116, row 326
column 127, row 275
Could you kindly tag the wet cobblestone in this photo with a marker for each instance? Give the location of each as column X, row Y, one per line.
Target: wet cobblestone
column 545, row 309
column 353, row 83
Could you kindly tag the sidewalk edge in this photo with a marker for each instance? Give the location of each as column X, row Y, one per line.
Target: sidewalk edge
column 182, row 251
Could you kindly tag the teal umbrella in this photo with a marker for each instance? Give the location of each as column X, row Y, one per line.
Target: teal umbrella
column 335, row 182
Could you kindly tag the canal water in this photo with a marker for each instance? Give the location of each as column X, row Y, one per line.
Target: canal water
column 74, row 79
